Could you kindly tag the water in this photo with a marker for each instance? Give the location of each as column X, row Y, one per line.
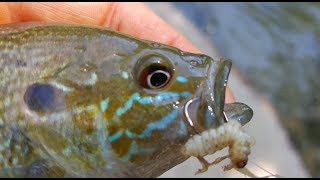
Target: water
column 276, row 45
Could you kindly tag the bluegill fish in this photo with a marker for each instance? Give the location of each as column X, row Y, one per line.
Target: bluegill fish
column 81, row 101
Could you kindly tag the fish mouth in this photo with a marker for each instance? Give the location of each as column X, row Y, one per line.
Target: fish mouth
column 208, row 109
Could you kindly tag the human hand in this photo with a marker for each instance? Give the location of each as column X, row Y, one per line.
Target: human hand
column 131, row 18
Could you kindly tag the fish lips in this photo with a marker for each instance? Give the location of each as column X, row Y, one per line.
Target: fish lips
column 208, row 109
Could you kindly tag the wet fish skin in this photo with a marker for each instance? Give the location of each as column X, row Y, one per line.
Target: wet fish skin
column 72, row 104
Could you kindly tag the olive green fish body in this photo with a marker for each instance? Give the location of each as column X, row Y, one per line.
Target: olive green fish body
column 90, row 102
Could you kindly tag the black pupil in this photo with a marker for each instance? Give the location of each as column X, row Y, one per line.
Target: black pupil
column 39, row 97
column 158, row 79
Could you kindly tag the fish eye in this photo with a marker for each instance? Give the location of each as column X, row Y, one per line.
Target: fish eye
column 157, row 76
column 156, row 72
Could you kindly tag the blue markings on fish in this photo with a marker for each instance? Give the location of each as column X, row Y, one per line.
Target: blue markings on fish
column 104, row 105
column 124, row 75
column 146, row 100
column 93, row 79
column 67, row 151
column 120, row 111
column 185, row 94
column 115, row 136
column 134, row 150
column 157, row 125
column 157, row 100
column 161, row 124
column 181, row 79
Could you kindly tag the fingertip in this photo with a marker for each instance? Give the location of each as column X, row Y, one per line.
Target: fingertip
column 5, row 15
column 90, row 13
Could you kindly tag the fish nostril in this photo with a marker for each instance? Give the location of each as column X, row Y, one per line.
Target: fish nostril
column 39, row 97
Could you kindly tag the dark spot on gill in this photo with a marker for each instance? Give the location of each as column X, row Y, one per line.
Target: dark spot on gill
column 40, row 97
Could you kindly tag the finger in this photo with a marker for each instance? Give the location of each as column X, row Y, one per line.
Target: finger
column 4, row 14
column 67, row 12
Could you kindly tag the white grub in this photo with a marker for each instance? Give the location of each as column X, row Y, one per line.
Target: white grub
column 208, row 142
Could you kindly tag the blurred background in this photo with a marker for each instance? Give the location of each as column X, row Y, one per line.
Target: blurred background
column 275, row 47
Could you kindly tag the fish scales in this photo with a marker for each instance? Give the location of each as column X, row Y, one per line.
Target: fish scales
column 84, row 101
